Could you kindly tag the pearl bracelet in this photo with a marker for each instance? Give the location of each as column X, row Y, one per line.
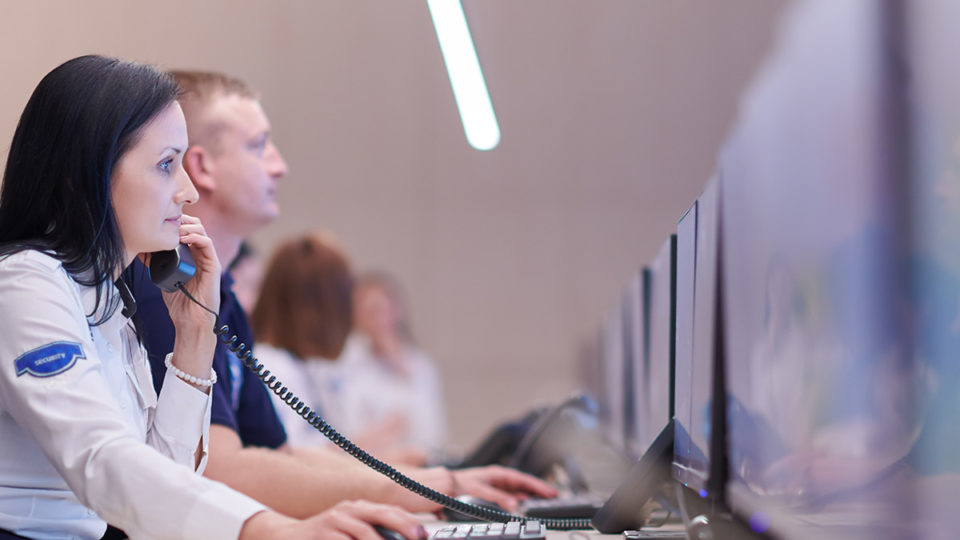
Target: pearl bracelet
column 168, row 361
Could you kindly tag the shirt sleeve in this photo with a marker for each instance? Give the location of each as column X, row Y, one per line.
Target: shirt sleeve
column 256, row 419
column 282, row 366
column 72, row 417
column 181, row 421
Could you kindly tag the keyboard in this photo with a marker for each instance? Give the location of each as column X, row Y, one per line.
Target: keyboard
column 515, row 530
column 573, row 506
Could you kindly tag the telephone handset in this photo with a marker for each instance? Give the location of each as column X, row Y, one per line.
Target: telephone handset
column 169, row 270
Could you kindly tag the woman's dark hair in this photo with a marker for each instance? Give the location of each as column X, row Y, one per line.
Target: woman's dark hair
column 81, row 119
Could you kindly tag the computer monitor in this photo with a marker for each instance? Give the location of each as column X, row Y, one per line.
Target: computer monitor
column 695, row 386
column 819, row 373
column 650, row 476
column 590, row 367
column 704, row 338
column 662, row 340
column 934, row 97
column 636, row 374
column 683, row 381
column 614, row 364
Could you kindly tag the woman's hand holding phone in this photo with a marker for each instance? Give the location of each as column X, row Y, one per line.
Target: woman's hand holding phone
column 195, row 340
column 205, row 284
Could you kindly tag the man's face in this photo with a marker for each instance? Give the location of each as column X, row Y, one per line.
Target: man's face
column 244, row 163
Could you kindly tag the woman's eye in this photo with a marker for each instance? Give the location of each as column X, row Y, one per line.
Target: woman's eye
column 166, row 165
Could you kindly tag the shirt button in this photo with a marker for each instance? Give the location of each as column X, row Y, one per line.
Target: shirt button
column 110, row 347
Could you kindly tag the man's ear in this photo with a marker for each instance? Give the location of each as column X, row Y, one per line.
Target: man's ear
column 199, row 166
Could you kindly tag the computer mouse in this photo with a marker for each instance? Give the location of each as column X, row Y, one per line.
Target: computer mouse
column 388, row 534
column 453, row 515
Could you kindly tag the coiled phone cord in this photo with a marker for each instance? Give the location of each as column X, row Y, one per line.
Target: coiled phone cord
column 276, row 386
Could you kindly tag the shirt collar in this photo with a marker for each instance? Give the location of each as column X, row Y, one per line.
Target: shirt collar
column 88, row 298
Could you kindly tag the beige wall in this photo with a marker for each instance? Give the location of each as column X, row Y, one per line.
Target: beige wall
column 611, row 114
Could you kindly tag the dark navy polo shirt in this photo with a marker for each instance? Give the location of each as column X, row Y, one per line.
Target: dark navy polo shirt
column 240, row 400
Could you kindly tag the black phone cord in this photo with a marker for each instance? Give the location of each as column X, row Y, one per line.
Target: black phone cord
column 276, row 386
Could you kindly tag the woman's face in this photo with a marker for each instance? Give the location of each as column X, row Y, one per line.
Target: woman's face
column 374, row 312
column 149, row 186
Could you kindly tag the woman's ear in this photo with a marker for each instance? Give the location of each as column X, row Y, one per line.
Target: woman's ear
column 199, row 166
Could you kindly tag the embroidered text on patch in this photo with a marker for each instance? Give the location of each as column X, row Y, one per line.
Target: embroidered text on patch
column 50, row 359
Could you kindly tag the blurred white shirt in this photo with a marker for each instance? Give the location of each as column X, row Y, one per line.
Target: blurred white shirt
column 359, row 391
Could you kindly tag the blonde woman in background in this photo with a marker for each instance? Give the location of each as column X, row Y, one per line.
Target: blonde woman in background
column 396, row 386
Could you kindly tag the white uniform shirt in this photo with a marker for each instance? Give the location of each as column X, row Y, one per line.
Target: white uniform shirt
column 373, row 392
column 358, row 391
column 316, row 382
column 83, row 436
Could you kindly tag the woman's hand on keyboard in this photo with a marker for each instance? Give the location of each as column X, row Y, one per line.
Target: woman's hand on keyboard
column 348, row 519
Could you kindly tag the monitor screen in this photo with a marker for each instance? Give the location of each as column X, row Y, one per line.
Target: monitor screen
column 818, row 371
column 636, row 322
column 684, row 450
column 935, row 258
column 695, row 340
column 659, row 380
column 704, row 324
column 590, row 367
column 612, row 399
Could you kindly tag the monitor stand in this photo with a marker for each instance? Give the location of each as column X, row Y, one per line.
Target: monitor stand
column 631, row 504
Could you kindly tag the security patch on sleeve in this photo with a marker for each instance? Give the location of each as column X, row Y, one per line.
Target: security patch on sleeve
column 49, row 360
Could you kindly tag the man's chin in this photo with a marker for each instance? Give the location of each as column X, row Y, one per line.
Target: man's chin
column 269, row 216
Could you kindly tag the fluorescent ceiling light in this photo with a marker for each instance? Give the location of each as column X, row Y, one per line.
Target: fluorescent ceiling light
column 469, row 88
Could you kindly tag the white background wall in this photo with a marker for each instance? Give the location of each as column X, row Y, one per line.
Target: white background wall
column 611, row 113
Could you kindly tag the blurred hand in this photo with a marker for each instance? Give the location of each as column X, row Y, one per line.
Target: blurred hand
column 346, row 520
column 506, row 487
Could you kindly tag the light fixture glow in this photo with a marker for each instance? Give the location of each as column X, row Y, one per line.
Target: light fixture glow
column 466, row 78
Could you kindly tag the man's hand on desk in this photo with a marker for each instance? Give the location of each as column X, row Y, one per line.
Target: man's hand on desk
column 501, row 485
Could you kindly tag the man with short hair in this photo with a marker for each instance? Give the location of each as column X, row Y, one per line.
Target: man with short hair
column 235, row 167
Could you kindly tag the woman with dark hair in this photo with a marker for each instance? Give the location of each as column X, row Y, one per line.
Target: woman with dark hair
column 94, row 180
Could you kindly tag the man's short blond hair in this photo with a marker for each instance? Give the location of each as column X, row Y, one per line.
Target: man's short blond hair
column 199, row 89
